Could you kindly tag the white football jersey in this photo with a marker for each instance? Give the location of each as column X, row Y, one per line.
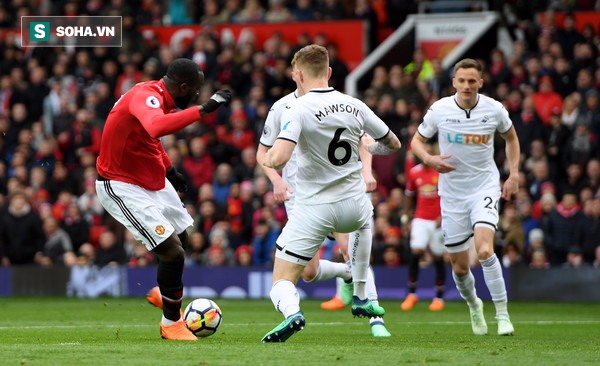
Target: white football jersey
column 326, row 125
column 467, row 136
column 270, row 133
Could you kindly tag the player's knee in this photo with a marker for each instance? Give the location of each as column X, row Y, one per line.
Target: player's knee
column 417, row 251
column 460, row 270
column 309, row 274
column 484, row 253
column 170, row 251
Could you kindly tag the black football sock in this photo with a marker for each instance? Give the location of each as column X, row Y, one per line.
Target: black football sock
column 171, row 288
column 440, row 277
column 413, row 272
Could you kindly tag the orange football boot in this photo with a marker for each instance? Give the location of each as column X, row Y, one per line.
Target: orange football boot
column 410, row 301
column 334, row 304
column 437, row 304
column 154, row 297
column 177, row 332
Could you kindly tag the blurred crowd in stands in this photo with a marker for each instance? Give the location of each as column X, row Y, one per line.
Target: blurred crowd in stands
column 54, row 101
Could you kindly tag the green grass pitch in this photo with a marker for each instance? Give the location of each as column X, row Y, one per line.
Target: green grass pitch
column 124, row 331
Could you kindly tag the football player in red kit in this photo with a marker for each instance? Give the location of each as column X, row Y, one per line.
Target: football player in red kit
column 137, row 183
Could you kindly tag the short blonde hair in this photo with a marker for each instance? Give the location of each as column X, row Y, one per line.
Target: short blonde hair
column 312, row 59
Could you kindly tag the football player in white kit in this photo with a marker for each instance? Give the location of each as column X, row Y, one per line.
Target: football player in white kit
column 326, row 126
column 284, row 186
column 469, row 185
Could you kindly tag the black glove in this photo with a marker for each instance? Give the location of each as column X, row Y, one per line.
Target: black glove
column 223, row 96
column 177, row 180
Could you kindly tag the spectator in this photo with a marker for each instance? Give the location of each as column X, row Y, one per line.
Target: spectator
column 21, row 235
column 75, row 226
column 589, row 232
column 196, row 249
column 277, row 12
column 546, row 99
column 592, row 178
column 222, row 182
column 536, row 243
column 420, row 67
column 110, row 251
column 198, row 164
column 574, row 258
column 57, row 248
column 539, row 260
column 263, row 245
column 243, row 255
column 582, row 145
column 561, row 228
column 303, row 10
column 528, row 124
column 556, row 141
column 252, row 12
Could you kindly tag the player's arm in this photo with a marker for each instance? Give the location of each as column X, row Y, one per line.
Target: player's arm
column 385, row 145
column 367, row 162
column 277, row 156
column 513, row 152
column 145, row 106
column 419, row 148
column 280, row 187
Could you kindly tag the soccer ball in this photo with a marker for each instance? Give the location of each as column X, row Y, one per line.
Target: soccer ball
column 202, row 317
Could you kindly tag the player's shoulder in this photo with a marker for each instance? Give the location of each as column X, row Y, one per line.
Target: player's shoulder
column 442, row 104
column 489, row 102
column 284, row 101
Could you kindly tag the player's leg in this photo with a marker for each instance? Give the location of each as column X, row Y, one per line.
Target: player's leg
column 354, row 215
column 377, row 324
column 359, row 250
column 492, row 273
column 465, row 284
column 154, row 218
column 436, row 246
column 485, row 216
column 296, row 246
column 286, row 300
column 319, row 270
column 457, row 228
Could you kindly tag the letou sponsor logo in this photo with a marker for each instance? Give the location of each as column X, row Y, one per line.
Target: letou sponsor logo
column 80, row 31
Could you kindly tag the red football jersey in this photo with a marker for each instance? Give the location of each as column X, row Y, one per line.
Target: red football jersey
column 130, row 150
column 424, row 181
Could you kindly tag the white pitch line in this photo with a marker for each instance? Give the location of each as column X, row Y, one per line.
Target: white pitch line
column 326, row 324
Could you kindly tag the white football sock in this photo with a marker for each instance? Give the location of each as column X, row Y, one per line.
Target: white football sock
column 370, row 285
column 338, row 287
column 328, row 270
column 168, row 322
column 377, row 319
column 359, row 250
column 285, row 298
column 466, row 288
column 492, row 273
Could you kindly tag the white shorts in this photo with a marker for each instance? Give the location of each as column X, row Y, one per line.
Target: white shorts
column 460, row 215
column 308, row 225
column 425, row 233
column 151, row 216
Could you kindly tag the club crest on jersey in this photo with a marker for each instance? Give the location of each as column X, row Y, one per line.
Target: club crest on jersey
column 159, row 229
column 152, row 102
column 485, row 119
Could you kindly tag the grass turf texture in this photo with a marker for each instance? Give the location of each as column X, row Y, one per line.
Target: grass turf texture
column 58, row 331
